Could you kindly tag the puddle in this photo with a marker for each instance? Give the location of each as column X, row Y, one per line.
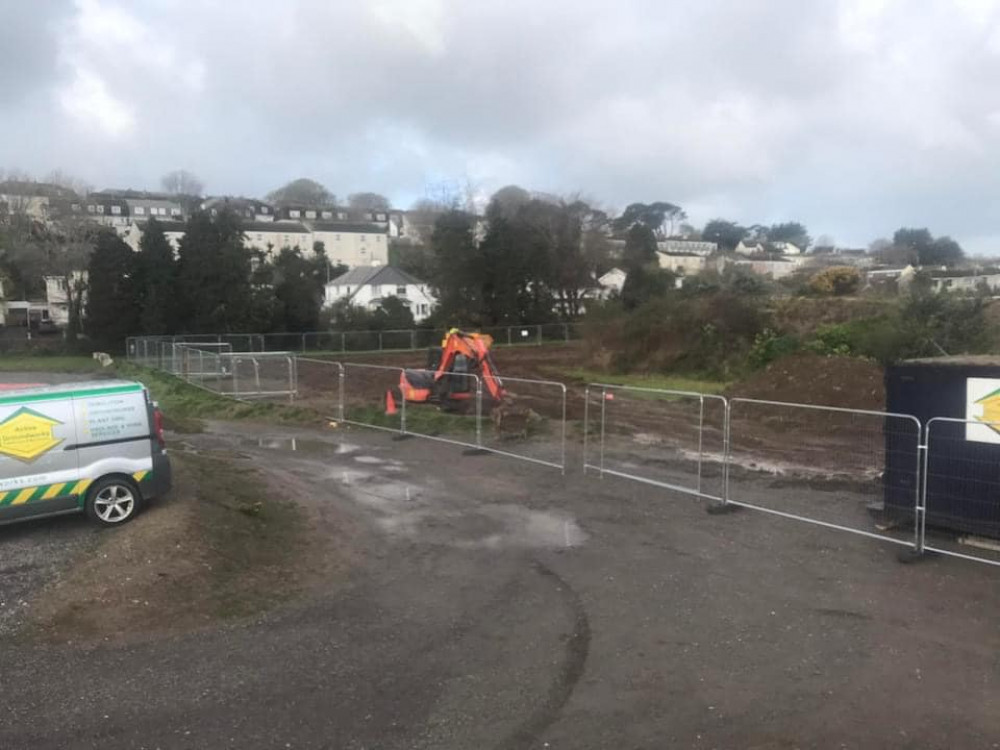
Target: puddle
column 369, row 460
column 298, row 445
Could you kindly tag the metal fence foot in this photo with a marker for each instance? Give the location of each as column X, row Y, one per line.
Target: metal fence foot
column 719, row 509
column 398, row 438
column 908, row 556
column 475, row 452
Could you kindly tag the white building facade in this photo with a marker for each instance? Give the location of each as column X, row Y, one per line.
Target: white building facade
column 369, row 287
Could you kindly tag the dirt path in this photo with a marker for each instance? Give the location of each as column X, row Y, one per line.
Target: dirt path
column 492, row 604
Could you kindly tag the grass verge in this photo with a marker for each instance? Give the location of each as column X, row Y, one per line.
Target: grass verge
column 184, row 405
column 45, row 363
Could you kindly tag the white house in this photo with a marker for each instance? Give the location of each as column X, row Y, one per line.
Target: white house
column 687, row 247
column 58, row 293
column 270, row 236
column 754, row 249
column 172, row 230
column 683, row 263
column 787, row 248
column 353, row 243
column 966, row 284
column 368, row 287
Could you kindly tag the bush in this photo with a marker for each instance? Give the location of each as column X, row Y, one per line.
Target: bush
column 769, row 346
column 836, row 281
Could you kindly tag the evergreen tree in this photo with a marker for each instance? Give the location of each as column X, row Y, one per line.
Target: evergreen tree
column 213, row 274
column 112, row 312
column 157, row 272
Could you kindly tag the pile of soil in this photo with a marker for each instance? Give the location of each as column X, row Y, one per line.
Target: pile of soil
column 846, row 382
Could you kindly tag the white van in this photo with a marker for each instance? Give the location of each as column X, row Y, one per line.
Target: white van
column 95, row 447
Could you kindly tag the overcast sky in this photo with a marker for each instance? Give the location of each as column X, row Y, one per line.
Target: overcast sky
column 855, row 117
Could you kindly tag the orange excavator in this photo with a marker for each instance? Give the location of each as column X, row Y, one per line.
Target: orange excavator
column 446, row 380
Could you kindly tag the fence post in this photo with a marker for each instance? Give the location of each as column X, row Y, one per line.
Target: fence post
column 340, row 393
column 727, row 448
column 292, row 379
column 343, row 342
column 413, row 338
column 402, row 408
column 509, row 338
column 303, row 343
column 701, row 436
column 256, row 374
column 604, row 401
column 479, row 412
column 236, row 383
column 564, row 429
column 539, row 335
column 586, row 424
column 380, row 341
column 920, row 508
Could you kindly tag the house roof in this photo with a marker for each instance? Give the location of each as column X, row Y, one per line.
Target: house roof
column 370, row 275
column 167, row 224
column 277, row 227
column 347, row 227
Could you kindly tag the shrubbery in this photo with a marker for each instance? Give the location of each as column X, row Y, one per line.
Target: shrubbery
column 710, row 328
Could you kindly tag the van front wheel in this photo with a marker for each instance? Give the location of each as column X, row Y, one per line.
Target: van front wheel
column 112, row 501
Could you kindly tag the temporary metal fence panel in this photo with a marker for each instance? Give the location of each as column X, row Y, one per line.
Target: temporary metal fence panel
column 364, row 397
column 554, row 332
column 825, row 465
column 361, row 341
column 259, row 375
column 530, row 421
column 960, row 511
column 282, row 342
column 459, row 421
column 321, row 386
column 666, row 438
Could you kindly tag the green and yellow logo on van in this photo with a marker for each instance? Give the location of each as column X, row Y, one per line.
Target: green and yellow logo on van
column 26, row 435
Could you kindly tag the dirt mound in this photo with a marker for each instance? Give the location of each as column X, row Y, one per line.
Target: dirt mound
column 846, row 382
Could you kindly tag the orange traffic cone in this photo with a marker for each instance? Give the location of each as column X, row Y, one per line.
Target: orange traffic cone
column 390, row 404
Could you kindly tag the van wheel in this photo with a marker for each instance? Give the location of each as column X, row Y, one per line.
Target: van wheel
column 112, row 501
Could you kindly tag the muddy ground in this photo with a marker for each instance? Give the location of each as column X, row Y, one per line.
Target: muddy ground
column 441, row 600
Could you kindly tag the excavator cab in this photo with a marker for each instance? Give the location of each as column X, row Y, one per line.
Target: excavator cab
column 445, row 381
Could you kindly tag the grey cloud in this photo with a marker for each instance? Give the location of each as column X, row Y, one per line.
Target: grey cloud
column 851, row 120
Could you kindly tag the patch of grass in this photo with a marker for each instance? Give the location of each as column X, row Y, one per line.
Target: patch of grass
column 44, row 363
column 184, row 404
column 664, row 382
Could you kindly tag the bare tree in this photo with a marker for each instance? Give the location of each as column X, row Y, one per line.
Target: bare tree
column 182, row 182
column 68, row 181
column 368, row 202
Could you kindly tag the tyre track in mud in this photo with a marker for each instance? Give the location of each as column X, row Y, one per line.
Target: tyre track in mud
column 577, row 649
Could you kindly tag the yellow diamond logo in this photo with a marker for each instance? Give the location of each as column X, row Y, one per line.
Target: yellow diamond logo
column 991, row 410
column 26, row 435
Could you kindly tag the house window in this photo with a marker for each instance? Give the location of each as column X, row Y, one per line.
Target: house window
column 76, row 208
column 90, row 209
column 287, row 239
column 260, row 238
column 401, row 290
column 116, row 210
column 378, row 238
column 348, row 290
column 341, row 216
column 140, row 210
column 327, row 214
column 336, row 237
column 100, row 209
column 264, row 209
column 175, row 212
column 295, row 213
column 363, row 238
column 310, row 214
column 380, row 217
